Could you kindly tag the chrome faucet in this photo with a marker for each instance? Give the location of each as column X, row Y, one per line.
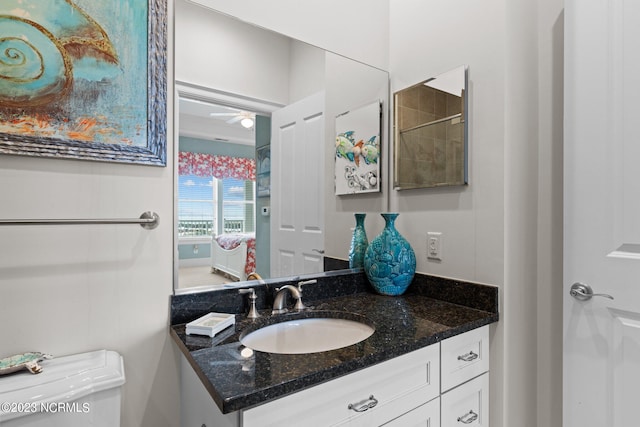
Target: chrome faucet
column 296, row 292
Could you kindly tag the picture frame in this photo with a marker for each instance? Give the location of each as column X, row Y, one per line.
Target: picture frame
column 263, row 171
column 104, row 98
column 264, row 185
column 357, row 150
column 263, row 160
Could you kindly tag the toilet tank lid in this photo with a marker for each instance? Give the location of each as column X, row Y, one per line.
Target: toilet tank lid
column 63, row 379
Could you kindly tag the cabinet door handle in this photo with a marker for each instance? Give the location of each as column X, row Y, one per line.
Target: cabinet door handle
column 468, row 418
column 364, row 405
column 468, row 357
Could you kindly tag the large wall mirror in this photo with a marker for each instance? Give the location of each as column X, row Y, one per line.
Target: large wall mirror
column 430, row 132
column 232, row 79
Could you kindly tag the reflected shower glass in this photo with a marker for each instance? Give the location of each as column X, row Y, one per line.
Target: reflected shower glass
column 430, row 129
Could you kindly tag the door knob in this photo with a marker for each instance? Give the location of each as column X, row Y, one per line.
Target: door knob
column 583, row 292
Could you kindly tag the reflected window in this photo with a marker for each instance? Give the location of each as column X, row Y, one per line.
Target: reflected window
column 238, row 205
column 208, row 206
column 196, row 207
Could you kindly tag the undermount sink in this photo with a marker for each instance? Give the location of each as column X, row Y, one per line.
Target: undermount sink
column 308, row 335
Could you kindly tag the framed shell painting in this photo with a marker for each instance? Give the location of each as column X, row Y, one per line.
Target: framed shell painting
column 357, row 155
column 84, row 79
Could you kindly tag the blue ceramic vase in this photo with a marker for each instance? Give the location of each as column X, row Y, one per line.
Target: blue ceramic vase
column 390, row 262
column 359, row 243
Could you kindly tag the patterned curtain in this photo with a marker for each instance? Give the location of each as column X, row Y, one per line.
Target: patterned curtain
column 201, row 164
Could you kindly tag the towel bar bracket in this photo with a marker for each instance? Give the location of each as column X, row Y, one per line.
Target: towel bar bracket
column 154, row 220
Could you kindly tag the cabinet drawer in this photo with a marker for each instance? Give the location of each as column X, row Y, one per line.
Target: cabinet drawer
column 464, row 357
column 389, row 388
column 394, row 414
column 467, row 405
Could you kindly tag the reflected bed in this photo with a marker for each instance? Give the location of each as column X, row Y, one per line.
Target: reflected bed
column 234, row 254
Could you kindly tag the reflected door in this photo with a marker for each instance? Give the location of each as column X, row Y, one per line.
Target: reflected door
column 601, row 369
column 297, row 168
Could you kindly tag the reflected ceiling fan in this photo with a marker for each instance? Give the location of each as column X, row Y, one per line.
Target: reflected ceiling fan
column 245, row 118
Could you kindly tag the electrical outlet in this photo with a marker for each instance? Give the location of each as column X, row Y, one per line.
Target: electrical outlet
column 434, row 245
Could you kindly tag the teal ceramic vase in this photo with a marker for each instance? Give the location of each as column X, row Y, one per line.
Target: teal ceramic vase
column 390, row 262
column 359, row 243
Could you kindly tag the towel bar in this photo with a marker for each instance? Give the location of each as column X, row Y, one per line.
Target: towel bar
column 148, row 220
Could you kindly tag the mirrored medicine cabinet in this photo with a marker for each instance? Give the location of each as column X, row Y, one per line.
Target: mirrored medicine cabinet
column 430, row 132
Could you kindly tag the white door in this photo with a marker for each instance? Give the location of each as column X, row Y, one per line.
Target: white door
column 297, row 191
column 602, row 213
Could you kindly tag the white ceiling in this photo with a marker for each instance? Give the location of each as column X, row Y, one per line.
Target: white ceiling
column 195, row 120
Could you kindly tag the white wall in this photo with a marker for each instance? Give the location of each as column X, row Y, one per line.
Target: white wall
column 306, row 71
column 215, row 51
column 206, row 42
column 358, row 29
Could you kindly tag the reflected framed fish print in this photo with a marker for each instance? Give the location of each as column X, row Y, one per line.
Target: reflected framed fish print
column 357, row 150
column 84, row 79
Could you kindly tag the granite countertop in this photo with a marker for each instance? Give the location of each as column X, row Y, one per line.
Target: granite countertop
column 402, row 324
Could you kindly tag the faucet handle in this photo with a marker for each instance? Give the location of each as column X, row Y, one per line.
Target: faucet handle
column 306, row 282
column 253, row 313
column 248, row 291
column 299, row 305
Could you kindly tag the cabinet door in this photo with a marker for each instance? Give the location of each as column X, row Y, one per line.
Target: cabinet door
column 197, row 408
column 467, row 405
column 427, row 415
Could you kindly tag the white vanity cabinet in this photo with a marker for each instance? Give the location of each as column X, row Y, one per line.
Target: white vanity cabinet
column 443, row 384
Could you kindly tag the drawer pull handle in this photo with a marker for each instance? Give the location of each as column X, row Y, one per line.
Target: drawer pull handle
column 364, row 405
column 468, row 418
column 468, row 357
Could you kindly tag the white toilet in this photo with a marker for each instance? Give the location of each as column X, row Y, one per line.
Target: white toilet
column 71, row 391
